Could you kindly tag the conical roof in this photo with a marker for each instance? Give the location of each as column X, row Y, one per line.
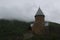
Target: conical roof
column 39, row 13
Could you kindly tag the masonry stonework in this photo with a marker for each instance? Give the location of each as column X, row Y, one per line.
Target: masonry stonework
column 38, row 26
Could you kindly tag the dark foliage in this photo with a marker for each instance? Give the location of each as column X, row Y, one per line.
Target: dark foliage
column 12, row 28
column 53, row 34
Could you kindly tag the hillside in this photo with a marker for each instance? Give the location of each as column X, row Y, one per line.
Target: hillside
column 54, row 30
column 11, row 29
column 52, row 33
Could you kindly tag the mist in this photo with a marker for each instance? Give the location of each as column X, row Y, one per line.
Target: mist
column 26, row 9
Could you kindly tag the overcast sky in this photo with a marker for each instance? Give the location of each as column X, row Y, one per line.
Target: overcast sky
column 26, row 9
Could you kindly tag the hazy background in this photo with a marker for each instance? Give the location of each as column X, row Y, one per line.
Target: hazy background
column 26, row 9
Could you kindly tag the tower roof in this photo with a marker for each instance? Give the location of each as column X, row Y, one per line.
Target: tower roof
column 39, row 13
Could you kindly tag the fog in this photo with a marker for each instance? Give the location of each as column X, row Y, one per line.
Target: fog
column 26, row 9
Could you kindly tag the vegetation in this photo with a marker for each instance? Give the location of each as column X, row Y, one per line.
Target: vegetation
column 54, row 33
column 54, row 30
column 10, row 30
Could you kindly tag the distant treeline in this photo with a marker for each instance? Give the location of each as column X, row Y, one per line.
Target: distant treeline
column 10, row 28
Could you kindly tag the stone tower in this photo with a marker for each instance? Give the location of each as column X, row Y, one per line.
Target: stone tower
column 38, row 26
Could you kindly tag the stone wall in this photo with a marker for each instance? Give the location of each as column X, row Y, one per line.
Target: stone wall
column 38, row 26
